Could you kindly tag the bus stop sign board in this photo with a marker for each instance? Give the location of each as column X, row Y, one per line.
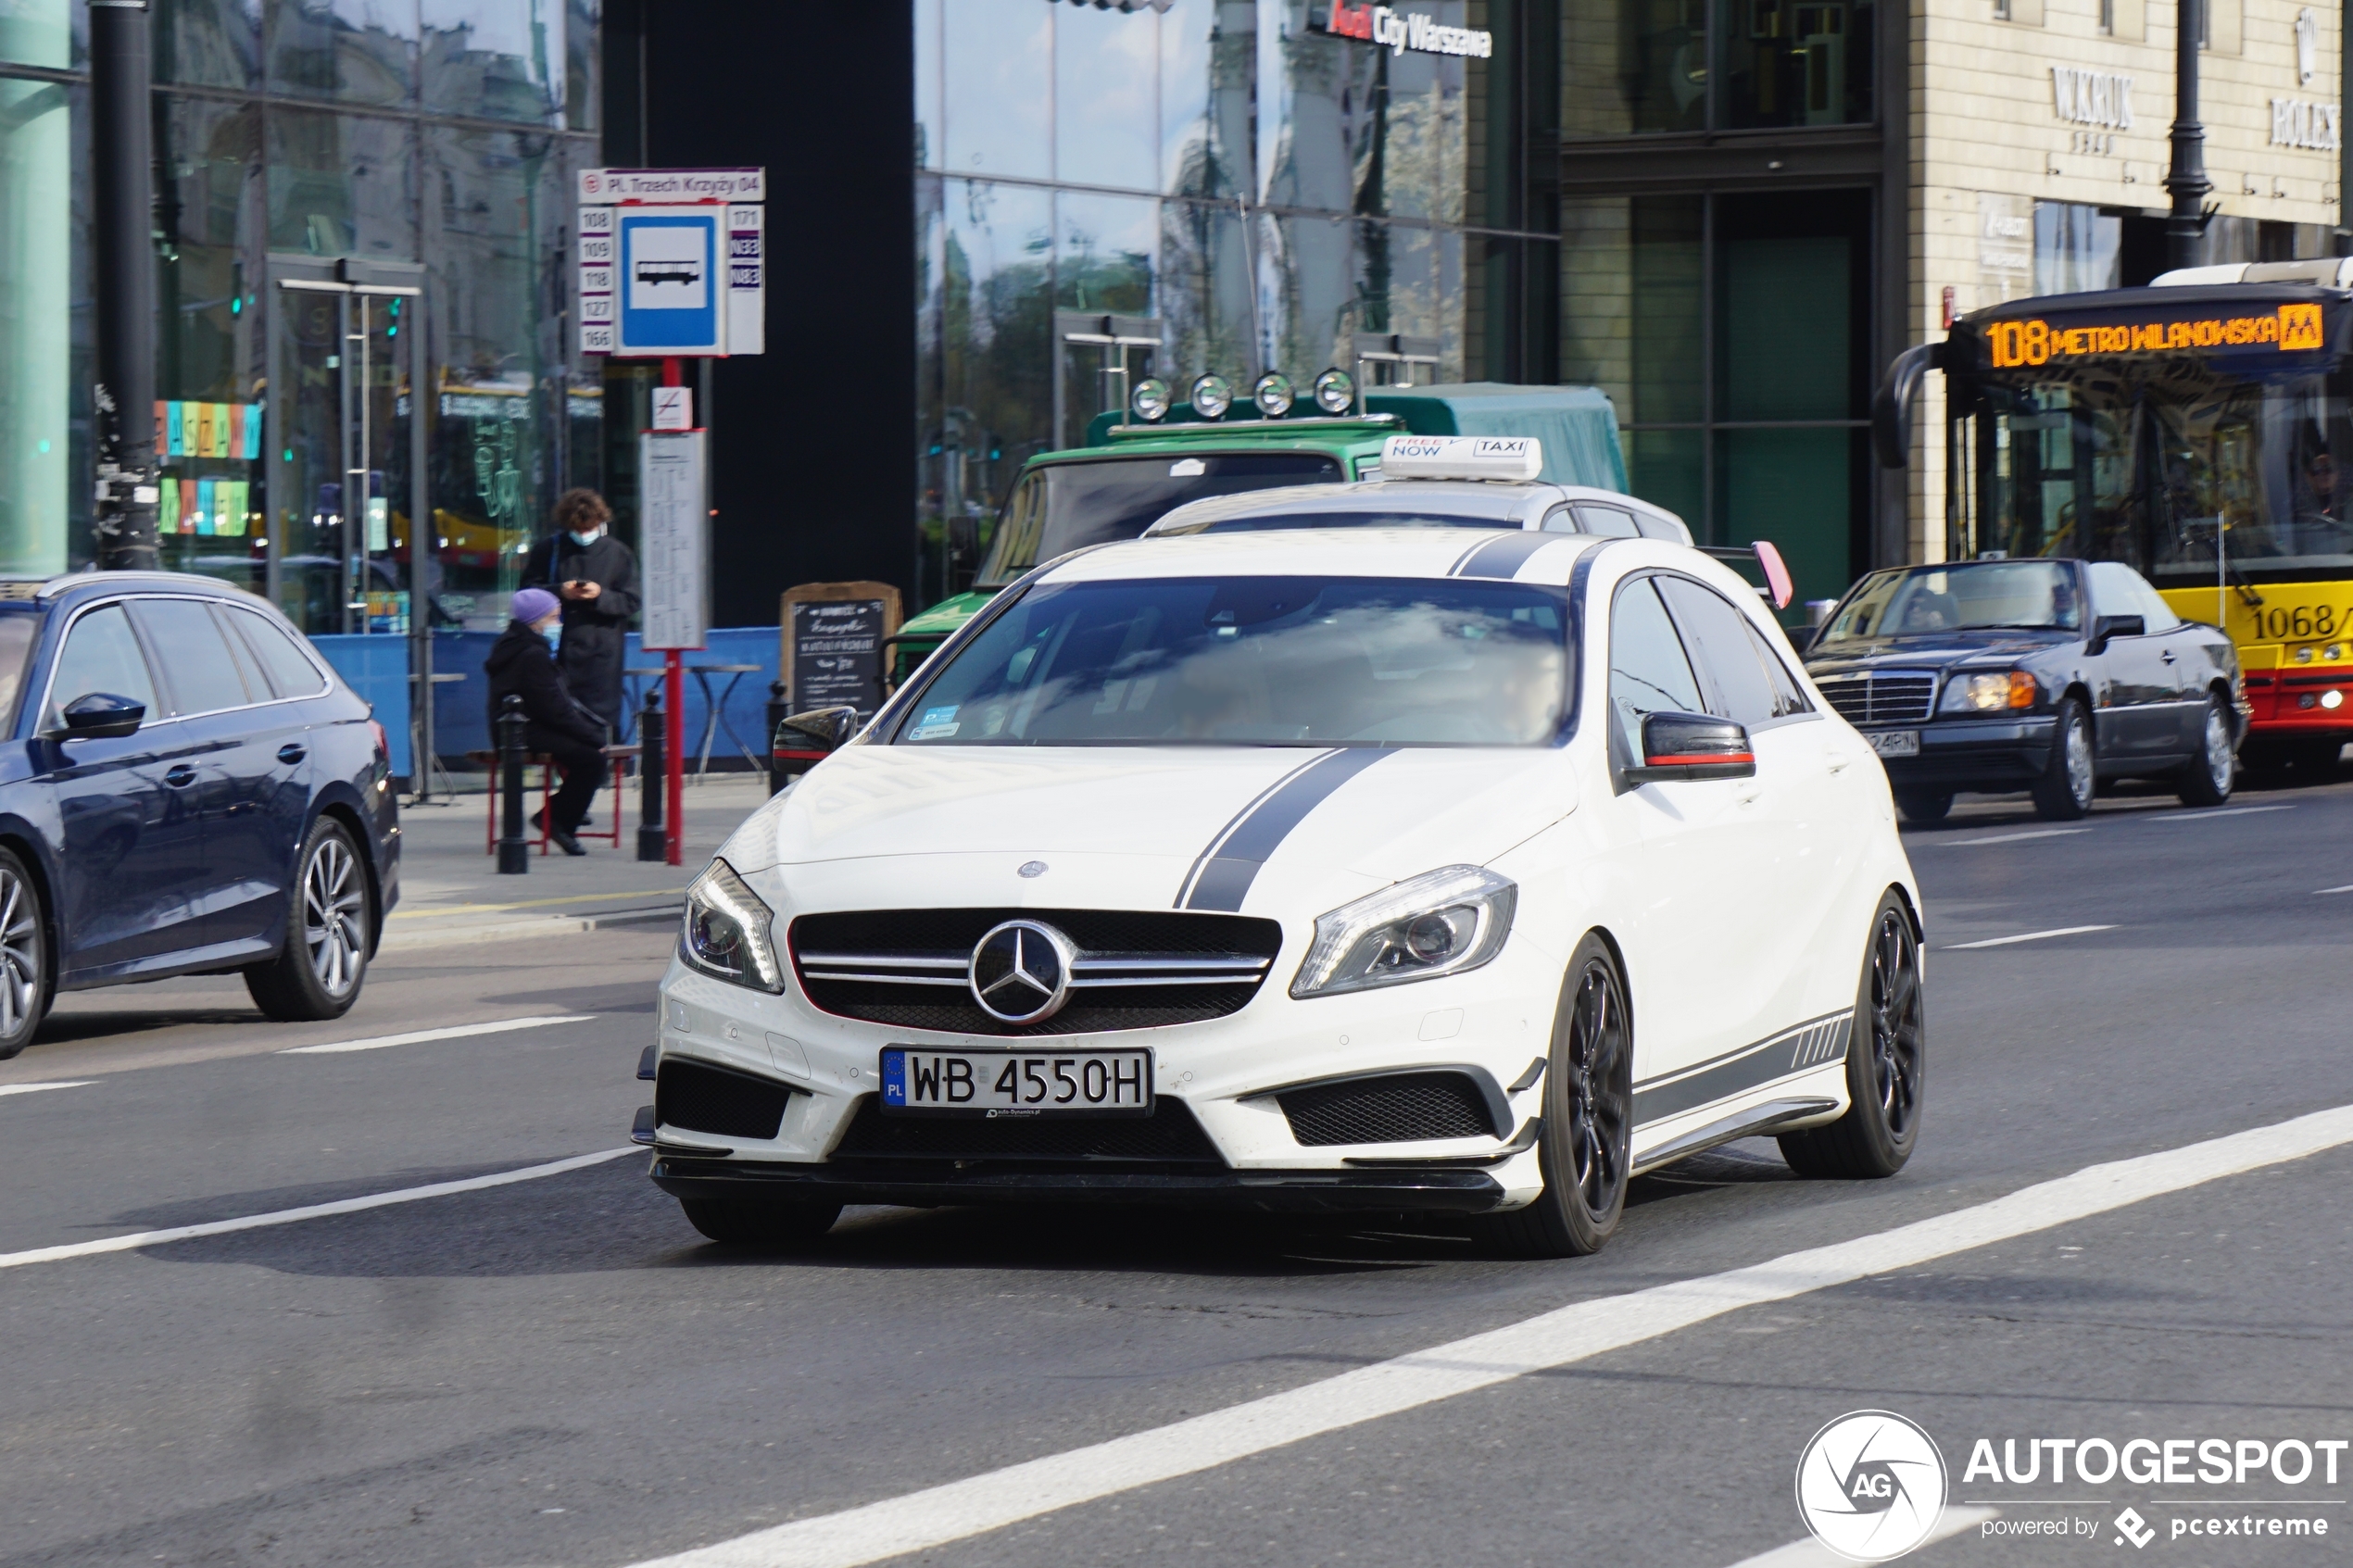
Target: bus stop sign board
column 670, row 295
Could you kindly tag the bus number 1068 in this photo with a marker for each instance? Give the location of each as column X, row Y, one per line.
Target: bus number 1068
column 2302, row 621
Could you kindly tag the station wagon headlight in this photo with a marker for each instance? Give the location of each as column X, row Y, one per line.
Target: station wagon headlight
column 1988, row 691
column 1439, row 922
column 727, row 930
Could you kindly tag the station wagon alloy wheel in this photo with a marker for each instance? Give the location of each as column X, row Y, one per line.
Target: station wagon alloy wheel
column 318, row 970
column 23, row 992
column 333, row 919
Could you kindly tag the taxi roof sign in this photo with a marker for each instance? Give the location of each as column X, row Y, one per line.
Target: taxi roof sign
column 1513, row 459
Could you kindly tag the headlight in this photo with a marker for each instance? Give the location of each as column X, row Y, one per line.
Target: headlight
column 727, row 930
column 1441, row 923
column 1150, row 400
column 1988, row 691
column 1335, row 391
column 1211, row 395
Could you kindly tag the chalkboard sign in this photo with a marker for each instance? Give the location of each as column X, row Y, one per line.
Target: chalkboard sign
column 837, row 653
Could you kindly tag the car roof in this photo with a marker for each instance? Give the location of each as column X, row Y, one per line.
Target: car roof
column 1505, row 505
column 58, row 586
column 1355, row 552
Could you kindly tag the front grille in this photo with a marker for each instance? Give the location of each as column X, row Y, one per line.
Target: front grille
column 698, row 1097
column 1881, row 696
column 1133, row 970
column 1169, row 1135
column 1399, row 1108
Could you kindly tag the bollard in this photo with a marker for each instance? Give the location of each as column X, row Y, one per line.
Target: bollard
column 514, row 855
column 653, row 840
column 777, row 710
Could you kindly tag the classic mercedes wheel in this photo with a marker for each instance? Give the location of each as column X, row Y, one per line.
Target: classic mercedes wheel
column 749, row 1223
column 1586, row 1147
column 2064, row 792
column 1924, row 805
column 1883, row 1061
column 2205, row 780
column 317, row 972
column 24, row 977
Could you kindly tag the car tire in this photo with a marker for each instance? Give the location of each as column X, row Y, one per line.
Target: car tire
column 323, row 961
column 2205, row 779
column 2065, row 791
column 1586, row 1145
column 1884, row 1063
column 25, row 986
column 749, row 1222
column 1924, row 805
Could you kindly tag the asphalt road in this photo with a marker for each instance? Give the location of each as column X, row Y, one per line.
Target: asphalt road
column 557, row 1371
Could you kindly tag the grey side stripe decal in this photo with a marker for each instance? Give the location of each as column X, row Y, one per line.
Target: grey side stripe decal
column 1225, row 871
column 1502, row 556
column 1806, row 1047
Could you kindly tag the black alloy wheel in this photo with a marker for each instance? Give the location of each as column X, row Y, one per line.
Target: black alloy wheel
column 1884, row 1063
column 320, row 967
column 2064, row 792
column 1586, row 1146
column 775, row 1225
column 2205, row 779
column 1924, row 805
column 24, row 949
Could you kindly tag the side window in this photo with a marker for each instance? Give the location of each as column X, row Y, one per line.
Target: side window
column 248, row 667
column 289, row 669
column 2115, row 589
column 1789, row 697
column 2154, row 609
column 1662, row 528
column 1558, row 521
column 1648, row 670
column 1718, row 637
column 100, row 655
column 1614, row 522
column 196, row 662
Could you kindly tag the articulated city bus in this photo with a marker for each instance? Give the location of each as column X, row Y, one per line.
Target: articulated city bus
column 2199, row 431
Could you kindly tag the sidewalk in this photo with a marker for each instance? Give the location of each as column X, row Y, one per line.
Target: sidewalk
column 451, row 891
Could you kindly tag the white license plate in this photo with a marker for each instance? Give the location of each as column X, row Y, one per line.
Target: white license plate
column 989, row 1083
column 1897, row 743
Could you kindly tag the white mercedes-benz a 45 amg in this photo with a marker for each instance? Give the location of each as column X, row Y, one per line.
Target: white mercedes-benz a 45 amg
column 1383, row 870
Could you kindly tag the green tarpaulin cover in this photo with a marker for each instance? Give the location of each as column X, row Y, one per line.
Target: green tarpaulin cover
column 1577, row 424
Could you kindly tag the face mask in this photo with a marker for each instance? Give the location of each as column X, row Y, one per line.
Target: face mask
column 555, row 636
column 585, row 539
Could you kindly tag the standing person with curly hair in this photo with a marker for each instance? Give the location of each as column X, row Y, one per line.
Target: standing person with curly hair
column 596, row 577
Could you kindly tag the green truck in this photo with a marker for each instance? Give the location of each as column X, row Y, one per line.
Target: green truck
column 1129, row 474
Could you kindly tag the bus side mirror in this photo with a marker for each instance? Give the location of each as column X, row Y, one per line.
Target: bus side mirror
column 2106, row 626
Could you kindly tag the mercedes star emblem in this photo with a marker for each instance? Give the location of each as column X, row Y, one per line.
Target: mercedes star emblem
column 1020, row 972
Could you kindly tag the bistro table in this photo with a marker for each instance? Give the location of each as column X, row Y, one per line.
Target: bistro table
column 715, row 711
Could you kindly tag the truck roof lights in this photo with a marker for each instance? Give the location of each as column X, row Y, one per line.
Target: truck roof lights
column 1211, row 395
column 1274, row 395
column 1152, row 400
column 1335, row 391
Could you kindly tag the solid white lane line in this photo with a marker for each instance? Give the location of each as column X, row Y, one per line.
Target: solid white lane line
column 2026, row 936
column 2007, row 838
column 1811, row 1553
column 920, row 1520
column 2346, row 889
column 418, row 1036
column 36, row 1089
column 2209, row 816
column 313, row 1211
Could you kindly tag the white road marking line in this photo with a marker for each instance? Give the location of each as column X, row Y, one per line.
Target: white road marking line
column 313, row 1211
column 36, row 1089
column 958, row 1510
column 2209, row 816
column 418, row 1038
column 2026, row 936
column 1811, row 1553
column 2346, row 889
column 2005, row 838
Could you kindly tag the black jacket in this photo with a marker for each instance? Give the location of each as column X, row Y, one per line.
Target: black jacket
column 521, row 665
column 595, row 630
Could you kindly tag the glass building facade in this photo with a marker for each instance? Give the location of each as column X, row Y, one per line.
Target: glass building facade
column 362, row 251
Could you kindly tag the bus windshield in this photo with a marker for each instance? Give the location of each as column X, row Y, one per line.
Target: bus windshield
column 1063, row 506
column 2152, row 463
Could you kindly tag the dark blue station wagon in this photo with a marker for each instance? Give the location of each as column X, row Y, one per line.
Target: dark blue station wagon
column 186, row 787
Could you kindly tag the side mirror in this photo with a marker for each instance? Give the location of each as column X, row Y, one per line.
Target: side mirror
column 101, row 716
column 805, row 739
column 1692, row 745
column 2107, row 626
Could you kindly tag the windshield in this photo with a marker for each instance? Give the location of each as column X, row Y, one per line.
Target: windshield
column 2144, row 461
column 1258, row 661
column 19, row 628
column 2039, row 594
column 1347, row 519
column 1065, row 507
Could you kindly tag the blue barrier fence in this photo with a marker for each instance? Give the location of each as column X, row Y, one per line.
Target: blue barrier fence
column 377, row 668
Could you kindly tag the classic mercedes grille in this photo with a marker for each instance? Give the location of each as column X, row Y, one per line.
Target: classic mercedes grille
column 696, row 1098
column 1169, row 1135
column 1404, row 1108
column 1133, row 970
column 1881, row 696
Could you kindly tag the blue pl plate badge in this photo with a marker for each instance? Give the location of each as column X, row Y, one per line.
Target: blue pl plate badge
column 894, row 1077
column 935, row 723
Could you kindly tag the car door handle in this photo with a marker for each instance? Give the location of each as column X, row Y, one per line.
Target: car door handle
column 1836, row 761
column 291, row 753
column 181, row 776
column 2167, row 656
column 1747, row 792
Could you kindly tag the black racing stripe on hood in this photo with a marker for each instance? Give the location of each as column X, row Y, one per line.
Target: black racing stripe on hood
column 1221, row 877
column 1504, row 557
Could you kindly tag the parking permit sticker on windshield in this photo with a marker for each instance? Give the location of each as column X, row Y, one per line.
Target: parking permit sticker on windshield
column 935, row 723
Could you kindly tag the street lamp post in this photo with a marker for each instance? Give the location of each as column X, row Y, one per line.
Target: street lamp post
column 122, row 159
column 2186, row 181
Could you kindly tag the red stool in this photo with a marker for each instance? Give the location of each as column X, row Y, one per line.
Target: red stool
column 619, row 755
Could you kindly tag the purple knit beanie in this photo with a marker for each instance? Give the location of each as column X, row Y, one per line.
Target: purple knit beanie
column 533, row 604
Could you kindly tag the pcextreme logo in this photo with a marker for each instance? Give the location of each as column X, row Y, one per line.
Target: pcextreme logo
column 1871, row 1486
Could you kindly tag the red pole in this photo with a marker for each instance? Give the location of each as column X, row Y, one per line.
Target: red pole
column 674, row 679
